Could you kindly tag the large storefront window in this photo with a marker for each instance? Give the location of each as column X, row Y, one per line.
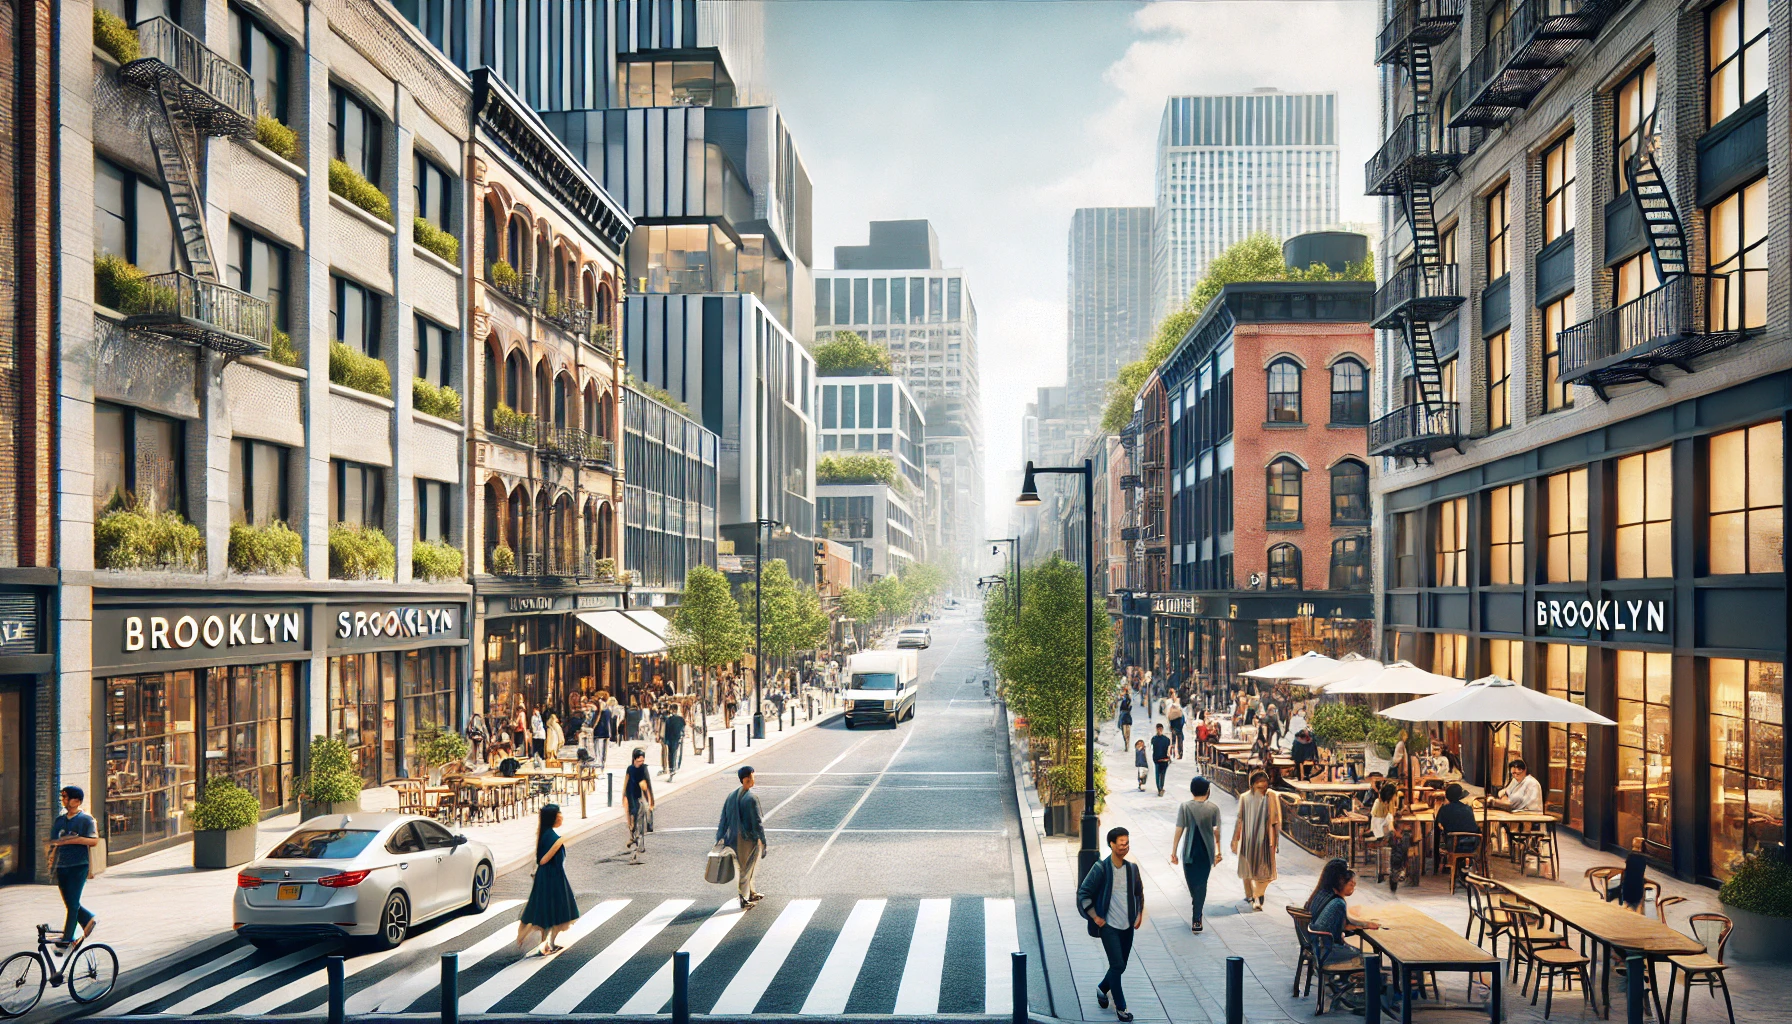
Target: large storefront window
column 426, row 684
column 249, row 728
column 364, row 711
column 1565, row 677
column 1645, row 763
column 1505, row 658
column 1450, row 544
column 1645, row 535
column 1449, row 655
column 1748, row 743
column 14, row 796
column 1567, row 542
column 1747, row 504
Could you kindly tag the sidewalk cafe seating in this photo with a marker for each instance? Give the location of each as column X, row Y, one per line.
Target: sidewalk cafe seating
column 1707, row 968
column 1489, row 917
column 1339, row 979
column 1305, row 968
column 1548, row 957
column 1457, row 854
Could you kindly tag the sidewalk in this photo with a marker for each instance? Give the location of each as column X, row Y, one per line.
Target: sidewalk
column 1176, row 975
column 157, row 905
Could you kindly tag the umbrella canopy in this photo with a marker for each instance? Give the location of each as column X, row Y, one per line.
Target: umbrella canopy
column 1310, row 663
column 1399, row 677
column 1350, row 666
column 1496, row 700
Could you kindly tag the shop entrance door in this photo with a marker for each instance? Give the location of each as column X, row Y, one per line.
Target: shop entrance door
column 16, row 845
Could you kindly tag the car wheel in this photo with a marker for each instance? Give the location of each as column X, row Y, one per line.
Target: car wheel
column 849, row 723
column 482, row 887
column 395, row 922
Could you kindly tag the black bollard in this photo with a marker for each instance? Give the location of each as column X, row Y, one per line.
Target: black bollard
column 681, row 987
column 712, row 750
column 1235, row 990
column 338, row 992
column 1371, row 988
column 610, row 789
column 733, row 741
column 1634, row 980
column 1017, row 963
column 450, row 988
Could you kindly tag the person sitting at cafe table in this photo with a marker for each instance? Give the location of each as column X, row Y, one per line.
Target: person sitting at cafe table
column 1305, row 752
column 1522, row 794
column 1457, row 816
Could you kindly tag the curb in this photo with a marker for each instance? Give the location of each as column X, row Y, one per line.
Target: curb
column 1053, row 952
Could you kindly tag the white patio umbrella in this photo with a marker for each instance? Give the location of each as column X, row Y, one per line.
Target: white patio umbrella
column 1292, row 669
column 1350, row 666
column 1400, row 677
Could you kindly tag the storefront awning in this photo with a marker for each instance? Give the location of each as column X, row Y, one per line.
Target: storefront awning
column 624, row 632
column 653, row 621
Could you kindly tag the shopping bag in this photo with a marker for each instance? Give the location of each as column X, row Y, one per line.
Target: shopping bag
column 719, row 865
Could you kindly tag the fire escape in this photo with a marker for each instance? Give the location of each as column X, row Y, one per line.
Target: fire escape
column 199, row 95
column 1416, row 158
column 1521, row 57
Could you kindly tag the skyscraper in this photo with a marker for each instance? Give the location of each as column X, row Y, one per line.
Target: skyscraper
column 1109, row 303
column 1228, row 166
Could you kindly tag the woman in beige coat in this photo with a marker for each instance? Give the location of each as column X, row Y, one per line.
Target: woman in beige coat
column 1255, row 838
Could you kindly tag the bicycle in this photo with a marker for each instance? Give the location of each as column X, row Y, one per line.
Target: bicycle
column 89, row 970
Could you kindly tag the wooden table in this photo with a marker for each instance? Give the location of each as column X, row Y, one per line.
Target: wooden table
column 1427, row 819
column 1608, row 925
column 491, row 785
column 1413, row 941
column 1305, row 787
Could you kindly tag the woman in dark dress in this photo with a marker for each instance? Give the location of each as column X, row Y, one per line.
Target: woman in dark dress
column 551, row 907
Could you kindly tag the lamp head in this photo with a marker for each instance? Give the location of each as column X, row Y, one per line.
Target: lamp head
column 1029, row 491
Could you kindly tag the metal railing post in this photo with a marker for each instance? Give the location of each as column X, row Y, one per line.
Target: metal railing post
column 1634, row 981
column 1235, row 990
column 450, row 988
column 712, row 750
column 338, row 994
column 1017, row 981
column 609, row 789
column 681, row 987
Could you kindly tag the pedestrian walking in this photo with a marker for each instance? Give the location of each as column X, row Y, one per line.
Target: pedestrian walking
column 1124, row 718
column 743, row 829
column 587, row 724
column 1173, row 713
column 1160, row 756
column 556, row 737
column 1112, row 899
column 73, row 835
column 606, row 731
column 730, row 700
column 1141, row 761
column 476, row 738
column 519, row 727
column 538, row 732
column 637, row 794
column 1255, row 838
column 672, row 729
column 552, row 907
column 1199, row 821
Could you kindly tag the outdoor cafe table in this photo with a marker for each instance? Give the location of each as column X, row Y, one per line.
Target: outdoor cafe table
column 1427, row 820
column 1413, row 941
column 489, row 786
column 1611, row 925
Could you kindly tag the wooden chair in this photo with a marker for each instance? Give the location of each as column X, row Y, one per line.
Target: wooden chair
column 1707, row 968
column 1489, row 917
column 1662, row 903
column 1336, row 978
column 1538, row 843
column 1305, row 967
column 410, row 795
column 1458, row 850
column 1548, row 957
column 1600, row 878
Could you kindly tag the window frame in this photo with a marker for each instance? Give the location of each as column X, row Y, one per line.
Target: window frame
column 131, row 196
column 1635, row 97
column 1768, row 504
column 1277, row 512
column 372, row 314
column 129, row 456
column 1506, row 547
column 422, row 328
column 1653, row 525
column 1339, row 508
column 1557, row 166
column 1449, row 517
column 1499, row 380
column 1278, row 399
column 247, row 242
column 1738, row 53
column 1350, row 557
column 1498, row 249
column 344, row 103
column 1736, row 267
column 1290, row 564
column 1561, row 507
column 1648, row 660
column 1557, row 317
column 243, row 481
column 1355, row 400
column 1727, row 729
column 340, row 469
column 425, row 172
column 443, row 512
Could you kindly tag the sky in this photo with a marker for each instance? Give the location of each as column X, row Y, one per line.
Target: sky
column 995, row 119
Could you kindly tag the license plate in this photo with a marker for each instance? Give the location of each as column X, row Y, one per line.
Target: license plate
column 289, row 892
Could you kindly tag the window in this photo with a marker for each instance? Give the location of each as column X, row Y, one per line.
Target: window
column 1505, row 658
column 1449, row 655
column 1645, row 743
column 1497, row 221
column 1450, row 544
column 355, row 134
column 259, row 267
column 824, row 302
column 1446, row 246
column 130, row 218
column 258, row 52
column 1633, row 279
column 1558, row 189
column 673, row 84
column 356, row 317
column 1499, row 381
column 1283, row 478
column 1446, row 372
column 1747, row 768
column 1350, row 392
column 1505, row 535
column 357, row 494
column 1645, row 515
column 1284, row 567
column 1565, row 678
column 435, row 352
column 1747, row 512
column 1566, row 503
column 1350, row 492
column 1284, row 391
column 138, row 455
column 434, row 192
column 434, row 510
column 1558, row 316
column 258, row 486
column 1736, row 62
column 1635, row 101
column 1350, row 563
column 1406, row 550
column 1737, row 247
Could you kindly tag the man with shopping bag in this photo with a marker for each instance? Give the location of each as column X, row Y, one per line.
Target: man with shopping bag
column 742, row 830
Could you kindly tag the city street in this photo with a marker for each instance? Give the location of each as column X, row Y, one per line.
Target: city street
column 889, row 880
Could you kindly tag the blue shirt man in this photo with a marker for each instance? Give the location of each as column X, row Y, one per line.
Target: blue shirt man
column 72, row 835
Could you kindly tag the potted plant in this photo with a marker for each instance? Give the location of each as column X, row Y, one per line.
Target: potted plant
column 224, row 820
column 436, row 747
column 1758, row 898
column 333, row 785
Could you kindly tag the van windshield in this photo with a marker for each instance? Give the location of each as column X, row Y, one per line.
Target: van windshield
column 874, row 680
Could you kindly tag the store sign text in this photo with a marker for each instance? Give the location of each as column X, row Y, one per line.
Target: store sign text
column 1580, row 618
column 234, row 629
column 395, row 622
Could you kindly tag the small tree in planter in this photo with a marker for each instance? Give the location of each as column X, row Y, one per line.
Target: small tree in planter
column 333, row 785
column 224, row 820
column 1758, row 897
column 436, row 747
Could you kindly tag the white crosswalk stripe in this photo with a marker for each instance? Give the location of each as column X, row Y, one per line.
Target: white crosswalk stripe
column 755, row 976
column 394, row 998
column 834, row 987
column 920, row 989
column 1001, row 939
column 598, row 969
column 512, row 977
column 208, row 996
column 177, row 983
column 658, row 990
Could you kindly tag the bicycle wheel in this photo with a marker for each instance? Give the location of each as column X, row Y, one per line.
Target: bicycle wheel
column 22, row 979
column 92, row 973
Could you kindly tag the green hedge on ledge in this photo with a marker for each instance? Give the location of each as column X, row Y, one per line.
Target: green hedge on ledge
column 346, row 182
column 273, row 548
column 361, row 553
column 364, row 373
column 432, row 561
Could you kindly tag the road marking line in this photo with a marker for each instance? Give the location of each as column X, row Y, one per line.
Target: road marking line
column 833, row 986
column 824, row 770
column 920, row 988
column 384, row 998
column 860, row 803
column 755, row 976
column 177, row 983
column 598, row 969
column 513, row 976
column 658, row 991
column 211, row 994
column 1001, row 938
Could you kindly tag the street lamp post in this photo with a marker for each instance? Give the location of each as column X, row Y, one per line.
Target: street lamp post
column 1014, row 552
column 759, row 526
column 1090, row 850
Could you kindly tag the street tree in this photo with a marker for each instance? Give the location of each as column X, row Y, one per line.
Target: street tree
column 707, row 632
column 1042, row 658
column 858, row 606
column 779, row 611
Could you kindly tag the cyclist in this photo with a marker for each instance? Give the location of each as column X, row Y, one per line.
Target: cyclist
column 74, row 833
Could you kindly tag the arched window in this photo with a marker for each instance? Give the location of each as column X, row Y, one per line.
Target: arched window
column 494, row 245
column 1283, row 477
column 515, row 238
column 606, row 525
column 1350, row 392
column 1350, row 492
column 494, row 384
column 1350, row 564
column 544, row 395
column 606, row 417
column 588, row 411
column 1284, row 391
column 1284, row 567
column 516, row 528
column 495, row 507
column 516, row 379
column 604, row 303
column 563, row 400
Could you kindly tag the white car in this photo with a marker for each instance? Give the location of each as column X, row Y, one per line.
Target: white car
column 376, row 875
column 914, row 636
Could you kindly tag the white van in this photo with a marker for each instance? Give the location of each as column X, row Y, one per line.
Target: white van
column 881, row 686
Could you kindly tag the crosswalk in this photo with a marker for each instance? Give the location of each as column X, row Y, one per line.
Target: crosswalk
column 808, row 956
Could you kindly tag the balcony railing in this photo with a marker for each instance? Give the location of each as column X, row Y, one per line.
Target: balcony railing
column 521, row 289
column 1514, row 65
column 218, row 95
column 199, row 312
column 571, row 444
column 1425, row 23
column 602, row 339
column 1688, row 316
column 1415, row 431
column 1418, row 293
column 1413, row 153
column 570, row 317
column 847, row 528
column 1130, row 481
column 512, row 427
column 559, row 566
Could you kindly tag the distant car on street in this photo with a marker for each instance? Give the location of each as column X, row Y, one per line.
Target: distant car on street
column 915, row 636
column 375, row 875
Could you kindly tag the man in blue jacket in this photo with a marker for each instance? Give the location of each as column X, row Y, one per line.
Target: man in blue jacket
column 1112, row 899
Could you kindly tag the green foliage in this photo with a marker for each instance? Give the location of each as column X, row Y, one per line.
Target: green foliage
column 437, row 746
column 502, row 560
column 283, row 351
column 362, row 372
column 1064, row 779
column 273, row 548
column 427, row 398
column 859, row 469
column 122, row 285
column 513, row 424
column 1041, row 658
column 660, row 395
column 890, row 595
column 432, row 560
column 225, row 807
column 856, row 605
column 435, row 240
column 347, row 182
column 849, row 355
column 812, row 625
column 361, row 553
column 550, row 303
column 503, row 274
column 112, row 35
column 129, row 536
column 1334, row 722
column 707, row 631
column 276, row 136
column 1760, row 885
column 781, row 630
column 333, row 778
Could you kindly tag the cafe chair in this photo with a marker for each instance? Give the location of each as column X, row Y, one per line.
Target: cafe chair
column 1548, row 957
column 1707, row 968
column 1538, row 844
column 1600, row 878
column 1457, row 853
column 1489, row 917
column 1304, row 967
column 1337, row 979
column 1662, row 903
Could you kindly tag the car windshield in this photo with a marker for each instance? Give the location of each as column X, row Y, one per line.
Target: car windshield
column 874, row 680
column 323, row 844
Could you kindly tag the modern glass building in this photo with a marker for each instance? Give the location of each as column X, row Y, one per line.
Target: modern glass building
column 877, row 415
column 669, row 498
column 1109, row 316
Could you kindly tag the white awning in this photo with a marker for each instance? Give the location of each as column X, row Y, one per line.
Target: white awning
column 654, row 622
column 624, row 632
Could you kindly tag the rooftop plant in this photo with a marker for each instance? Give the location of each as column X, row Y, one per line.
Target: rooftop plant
column 850, row 355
